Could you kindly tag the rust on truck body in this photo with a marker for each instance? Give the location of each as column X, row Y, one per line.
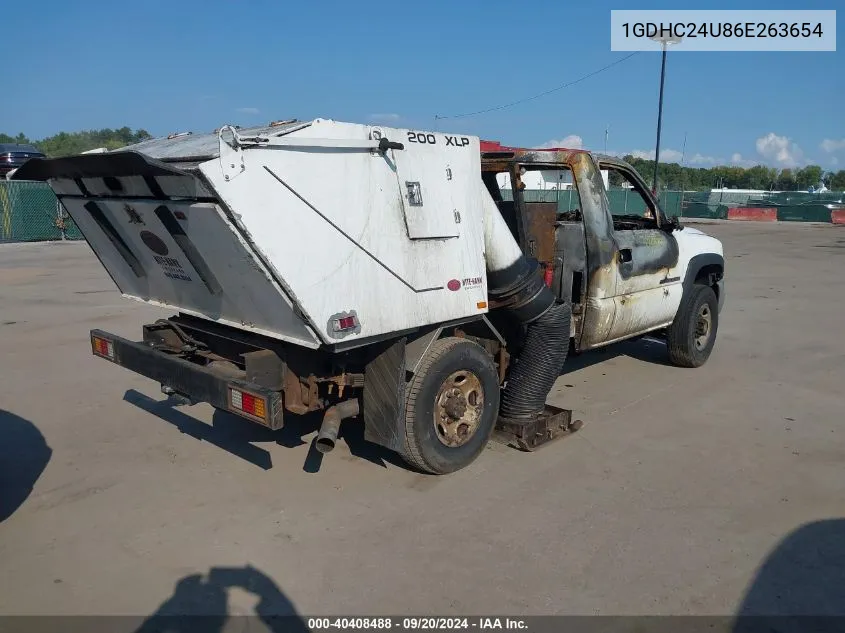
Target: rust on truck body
column 611, row 255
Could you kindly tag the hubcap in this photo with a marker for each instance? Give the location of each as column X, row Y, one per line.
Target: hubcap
column 457, row 409
column 703, row 325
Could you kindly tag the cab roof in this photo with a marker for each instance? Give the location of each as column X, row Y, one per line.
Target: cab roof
column 494, row 153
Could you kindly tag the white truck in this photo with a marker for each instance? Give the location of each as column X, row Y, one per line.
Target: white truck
column 362, row 270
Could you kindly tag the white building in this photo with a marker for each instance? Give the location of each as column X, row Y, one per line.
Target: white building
column 544, row 180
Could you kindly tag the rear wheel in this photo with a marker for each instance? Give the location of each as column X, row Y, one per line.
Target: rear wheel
column 692, row 335
column 451, row 407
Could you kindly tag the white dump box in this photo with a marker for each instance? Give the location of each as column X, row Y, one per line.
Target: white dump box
column 310, row 232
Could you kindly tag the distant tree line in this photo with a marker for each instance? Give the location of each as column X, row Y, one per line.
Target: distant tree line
column 69, row 143
column 673, row 176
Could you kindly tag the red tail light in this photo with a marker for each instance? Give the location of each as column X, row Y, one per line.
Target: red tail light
column 102, row 347
column 243, row 402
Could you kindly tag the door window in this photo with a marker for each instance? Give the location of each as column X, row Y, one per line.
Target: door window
column 629, row 204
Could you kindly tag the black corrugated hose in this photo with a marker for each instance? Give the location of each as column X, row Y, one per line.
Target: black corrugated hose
column 539, row 364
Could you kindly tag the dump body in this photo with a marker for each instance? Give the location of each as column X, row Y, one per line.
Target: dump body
column 305, row 232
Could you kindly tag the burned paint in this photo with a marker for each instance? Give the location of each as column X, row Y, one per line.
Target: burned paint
column 613, row 262
column 651, row 250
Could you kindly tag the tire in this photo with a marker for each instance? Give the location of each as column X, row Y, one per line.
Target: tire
column 687, row 347
column 452, row 364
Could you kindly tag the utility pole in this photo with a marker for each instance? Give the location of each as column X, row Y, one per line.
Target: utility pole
column 683, row 156
column 665, row 42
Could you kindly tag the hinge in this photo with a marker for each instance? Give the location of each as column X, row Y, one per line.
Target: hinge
column 231, row 153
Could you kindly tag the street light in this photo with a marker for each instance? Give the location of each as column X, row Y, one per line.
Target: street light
column 665, row 41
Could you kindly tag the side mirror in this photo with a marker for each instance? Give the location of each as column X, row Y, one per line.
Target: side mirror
column 673, row 223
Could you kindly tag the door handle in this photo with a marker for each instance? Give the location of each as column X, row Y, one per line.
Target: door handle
column 624, row 255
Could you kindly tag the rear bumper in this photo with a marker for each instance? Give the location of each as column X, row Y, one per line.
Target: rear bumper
column 195, row 382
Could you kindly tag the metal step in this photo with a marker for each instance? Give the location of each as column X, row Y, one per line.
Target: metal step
column 529, row 434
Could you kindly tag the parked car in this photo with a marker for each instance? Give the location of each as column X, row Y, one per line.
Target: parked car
column 13, row 155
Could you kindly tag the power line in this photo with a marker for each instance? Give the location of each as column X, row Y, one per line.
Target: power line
column 537, row 96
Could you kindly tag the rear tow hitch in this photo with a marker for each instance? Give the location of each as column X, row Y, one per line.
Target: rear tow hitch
column 529, row 434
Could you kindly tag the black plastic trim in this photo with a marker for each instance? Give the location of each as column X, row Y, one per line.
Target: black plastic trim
column 115, row 238
column 115, row 164
column 187, row 246
column 697, row 263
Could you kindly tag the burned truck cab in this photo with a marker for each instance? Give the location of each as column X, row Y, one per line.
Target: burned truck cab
column 604, row 244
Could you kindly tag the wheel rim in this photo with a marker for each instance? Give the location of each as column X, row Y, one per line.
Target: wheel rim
column 703, row 327
column 458, row 408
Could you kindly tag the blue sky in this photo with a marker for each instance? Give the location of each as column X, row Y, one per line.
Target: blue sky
column 180, row 65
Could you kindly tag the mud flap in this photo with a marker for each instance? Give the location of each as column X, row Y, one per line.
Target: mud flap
column 527, row 435
column 384, row 398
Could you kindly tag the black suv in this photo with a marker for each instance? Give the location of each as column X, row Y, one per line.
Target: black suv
column 13, row 155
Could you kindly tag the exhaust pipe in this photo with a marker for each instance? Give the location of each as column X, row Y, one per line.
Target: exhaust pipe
column 327, row 437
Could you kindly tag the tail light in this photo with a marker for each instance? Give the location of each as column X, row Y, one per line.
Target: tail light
column 248, row 404
column 548, row 276
column 345, row 322
column 102, row 347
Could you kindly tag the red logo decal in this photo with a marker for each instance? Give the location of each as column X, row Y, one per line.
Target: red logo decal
column 454, row 285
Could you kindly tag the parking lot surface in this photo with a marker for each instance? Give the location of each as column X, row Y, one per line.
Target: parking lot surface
column 678, row 496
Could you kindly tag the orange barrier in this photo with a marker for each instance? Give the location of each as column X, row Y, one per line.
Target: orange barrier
column 753, row 214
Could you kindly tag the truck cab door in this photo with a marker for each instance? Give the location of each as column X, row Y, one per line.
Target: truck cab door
column 633, row 285
column 648, row 288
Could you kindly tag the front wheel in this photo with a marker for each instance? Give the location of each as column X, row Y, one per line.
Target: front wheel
column 692, row 335
column 451, row 407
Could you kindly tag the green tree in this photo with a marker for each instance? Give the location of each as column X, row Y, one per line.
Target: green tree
column 837, row 181
column 759, row 177
column 65, row 144
column 810, row 175
column 20, row 138
column 786, row 181
column 615, row 179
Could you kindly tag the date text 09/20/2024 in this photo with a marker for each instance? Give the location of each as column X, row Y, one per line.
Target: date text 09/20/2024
column 417, row 624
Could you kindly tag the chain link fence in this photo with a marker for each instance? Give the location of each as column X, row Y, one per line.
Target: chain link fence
column 30, row 212
column 795, row 206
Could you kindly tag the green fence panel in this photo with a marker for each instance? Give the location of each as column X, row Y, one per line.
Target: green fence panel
column 30, row 212
column 804, row 213
column 792, row 206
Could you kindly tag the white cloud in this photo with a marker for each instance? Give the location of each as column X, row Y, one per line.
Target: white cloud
column 830, row 145
column 573, row 141
column 779, row 150
column 739, row 161
column 248, row 110
column 388, row 117
column 834, row 161
column 666, row 155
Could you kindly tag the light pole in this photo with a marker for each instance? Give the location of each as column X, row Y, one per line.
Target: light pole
column 665, row 41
